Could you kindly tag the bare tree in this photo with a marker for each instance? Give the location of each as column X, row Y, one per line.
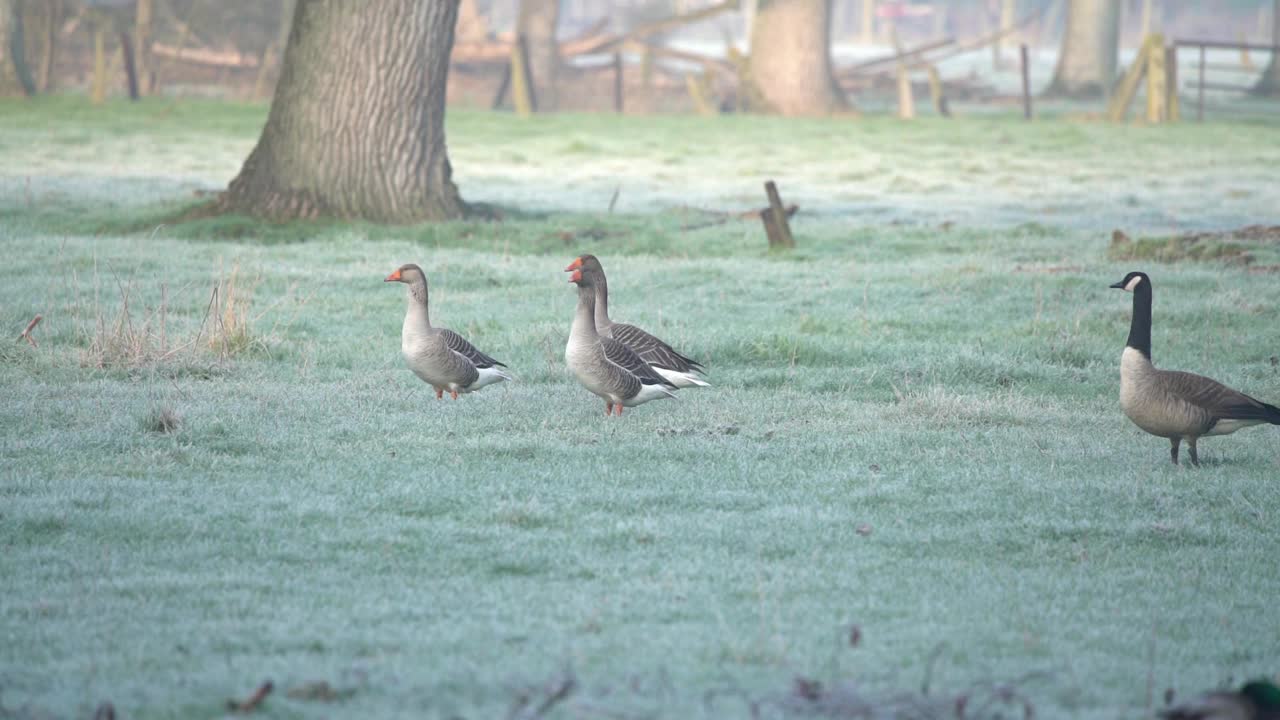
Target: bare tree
column 356, row 128
column 1269, row 83
column 1087, row 61
column 15, row 78
column 791, row 57
column 537, row 23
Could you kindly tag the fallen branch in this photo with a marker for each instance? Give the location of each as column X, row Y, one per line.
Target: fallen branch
column 26, row 334
column 254, row 700
column 205, row 56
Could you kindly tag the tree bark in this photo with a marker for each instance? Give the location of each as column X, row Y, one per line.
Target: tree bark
column 537, row 22
column 1269, row 83
column 791, row 57
column 356, row 128
column 1087, row 61
column 15, row 78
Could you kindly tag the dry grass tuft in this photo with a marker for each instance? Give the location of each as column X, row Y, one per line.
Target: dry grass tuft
column 132, row 337
column 162, row 420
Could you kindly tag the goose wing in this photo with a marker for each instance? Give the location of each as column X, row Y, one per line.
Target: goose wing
column 626, row 358
column 652, row 350
column 1220, row 401
column 459, row 344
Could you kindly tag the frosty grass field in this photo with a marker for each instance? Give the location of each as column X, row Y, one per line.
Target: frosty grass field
column 913, row 428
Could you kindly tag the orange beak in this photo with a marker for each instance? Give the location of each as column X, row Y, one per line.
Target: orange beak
column 577, row 263
column 393, row 277
column 576, row 276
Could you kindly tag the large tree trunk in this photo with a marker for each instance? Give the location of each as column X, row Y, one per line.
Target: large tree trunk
column 15, row 79
column 537, row 23
column 1269, row 83
column 1087, row 61
column 791, row 57
column 356, row 128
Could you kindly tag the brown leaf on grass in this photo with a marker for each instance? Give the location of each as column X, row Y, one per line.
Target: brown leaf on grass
column 807, row 689
column 254, row 700
column 855, row 635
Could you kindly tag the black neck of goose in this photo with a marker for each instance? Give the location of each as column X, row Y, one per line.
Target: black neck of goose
column 1140, row 325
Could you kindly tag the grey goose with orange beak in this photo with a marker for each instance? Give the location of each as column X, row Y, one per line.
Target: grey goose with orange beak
column 441, row 357
column 604, row 365
column 1177, row 405
column 679, row 370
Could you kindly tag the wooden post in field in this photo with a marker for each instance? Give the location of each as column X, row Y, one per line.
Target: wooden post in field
column 48, row 49
column 867, row 35
column 906, row 102
column 503, row 85
column 1200, row 91
column 617, row 82
column 699, row 92
column 98, row 89
column 1156, row 87
column 774, row 217
column 936, row 94
column 1128, row 87
column 142, row 50
column 1026, row 81
column 1172, row 111
column 522, row 93
column 130, row 70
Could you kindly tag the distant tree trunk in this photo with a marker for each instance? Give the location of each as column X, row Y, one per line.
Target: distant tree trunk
column 791, row 57
column 356, row 128
column 537, row 22
column 143, row 12
column 1269, row 83
column 1087, row 61
column 15, row 78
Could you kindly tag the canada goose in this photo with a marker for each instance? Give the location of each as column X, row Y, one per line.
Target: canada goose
column 1257, row 700
column 441, row 357
column 1177, row 405
column 679, row 370
column 603, row 365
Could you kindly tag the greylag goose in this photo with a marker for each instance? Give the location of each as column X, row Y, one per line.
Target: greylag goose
column 1177, row 405
column 603, row 365
column 441, row 357
column 679, row 370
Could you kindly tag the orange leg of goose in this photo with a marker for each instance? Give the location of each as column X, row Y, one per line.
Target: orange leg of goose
column 453, row 394
column 619, row 408
column 608, row 408
column 439, row 393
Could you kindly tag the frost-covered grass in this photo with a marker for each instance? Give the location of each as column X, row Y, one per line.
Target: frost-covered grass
column 912, row 430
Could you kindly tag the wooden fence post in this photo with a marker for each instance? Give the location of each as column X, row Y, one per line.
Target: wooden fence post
column 617, row 82
column 775, row 221
column 1200, row 92
column 906, row 102
column 1156, row 86
column 522, row 92
column 1026, row 82
column 1171, row 105
column 936, row 93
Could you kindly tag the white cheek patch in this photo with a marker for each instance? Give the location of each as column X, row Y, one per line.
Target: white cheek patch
column 1129, row 286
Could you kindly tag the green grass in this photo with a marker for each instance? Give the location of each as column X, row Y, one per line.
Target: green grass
column 913, row 430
